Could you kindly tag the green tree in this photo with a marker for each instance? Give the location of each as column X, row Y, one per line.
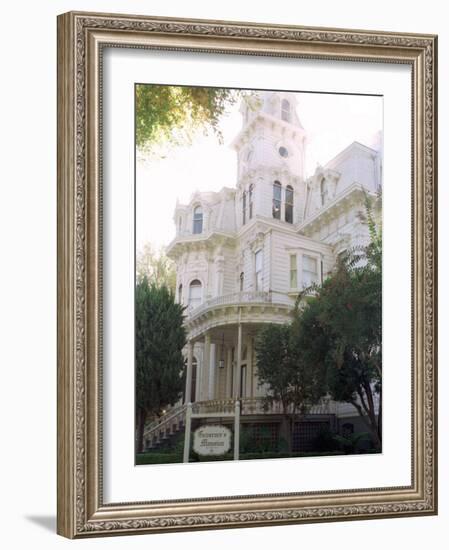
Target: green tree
column 160, row 338
column 156, row 267
column 175, row 113
column 291, row 381
column 340, row 327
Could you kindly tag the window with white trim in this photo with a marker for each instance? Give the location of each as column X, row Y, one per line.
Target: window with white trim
column 324, row 191
column 285, row 110
column 289, row 204
column 250, row 200
column 293, row 271
column 195, row 293
column 309, row 271
column 198, row 220
column 277, row 199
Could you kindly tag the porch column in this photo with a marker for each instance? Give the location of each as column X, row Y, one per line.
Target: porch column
column 206, row 368
column 229, row 367
column 249, row 367
column 188, row 395
column 238, row 370
column 255, row 379
column 219, row 372
column 199, row 376
column 212, row 372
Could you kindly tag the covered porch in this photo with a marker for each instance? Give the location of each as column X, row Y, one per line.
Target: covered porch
column 221, row 364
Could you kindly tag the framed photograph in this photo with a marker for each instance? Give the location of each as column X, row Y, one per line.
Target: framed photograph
column 246, row 274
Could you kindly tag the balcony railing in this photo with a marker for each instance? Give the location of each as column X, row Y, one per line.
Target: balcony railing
column 247, row 297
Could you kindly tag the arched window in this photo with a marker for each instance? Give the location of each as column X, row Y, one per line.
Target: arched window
column 180, row 294
column 277, row 198
column 198, row 220
column 289, row 204
column 250, row 201
column 242, row 281
column 244, row 207
column 195, row 293
column 323, row 191
column 285, row 110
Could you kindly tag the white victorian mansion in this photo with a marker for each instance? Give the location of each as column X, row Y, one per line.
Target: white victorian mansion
column 242, row 254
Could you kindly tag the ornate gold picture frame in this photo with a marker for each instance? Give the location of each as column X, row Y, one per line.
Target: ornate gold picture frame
column 82, row 509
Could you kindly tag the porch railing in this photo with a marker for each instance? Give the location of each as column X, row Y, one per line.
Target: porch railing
column 258, row 405
column 166, row 425
column 174, row 420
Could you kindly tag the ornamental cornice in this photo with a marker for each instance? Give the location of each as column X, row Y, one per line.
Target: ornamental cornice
column 192, row 243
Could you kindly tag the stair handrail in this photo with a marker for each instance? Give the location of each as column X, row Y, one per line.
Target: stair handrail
column 162, row 421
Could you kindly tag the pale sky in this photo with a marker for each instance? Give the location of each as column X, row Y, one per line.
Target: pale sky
column 332, row 122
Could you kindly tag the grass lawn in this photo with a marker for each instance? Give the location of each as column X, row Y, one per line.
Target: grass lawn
column 176, row 457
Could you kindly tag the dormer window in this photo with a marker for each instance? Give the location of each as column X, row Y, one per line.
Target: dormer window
column 277, row 199
column 198, row 220
column 285, row 110
column 323, row 191
column 289, row 204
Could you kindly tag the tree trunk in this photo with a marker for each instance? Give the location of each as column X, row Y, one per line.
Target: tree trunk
column 372, row 417
column 142, row 416
column 371, row 424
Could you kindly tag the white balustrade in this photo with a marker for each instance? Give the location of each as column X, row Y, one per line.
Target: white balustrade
column 173, row 420
column 246, row 297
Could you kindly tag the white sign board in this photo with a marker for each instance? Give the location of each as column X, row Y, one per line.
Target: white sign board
column 212, row 440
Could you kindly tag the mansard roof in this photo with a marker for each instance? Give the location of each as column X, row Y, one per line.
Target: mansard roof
column 353, row 148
